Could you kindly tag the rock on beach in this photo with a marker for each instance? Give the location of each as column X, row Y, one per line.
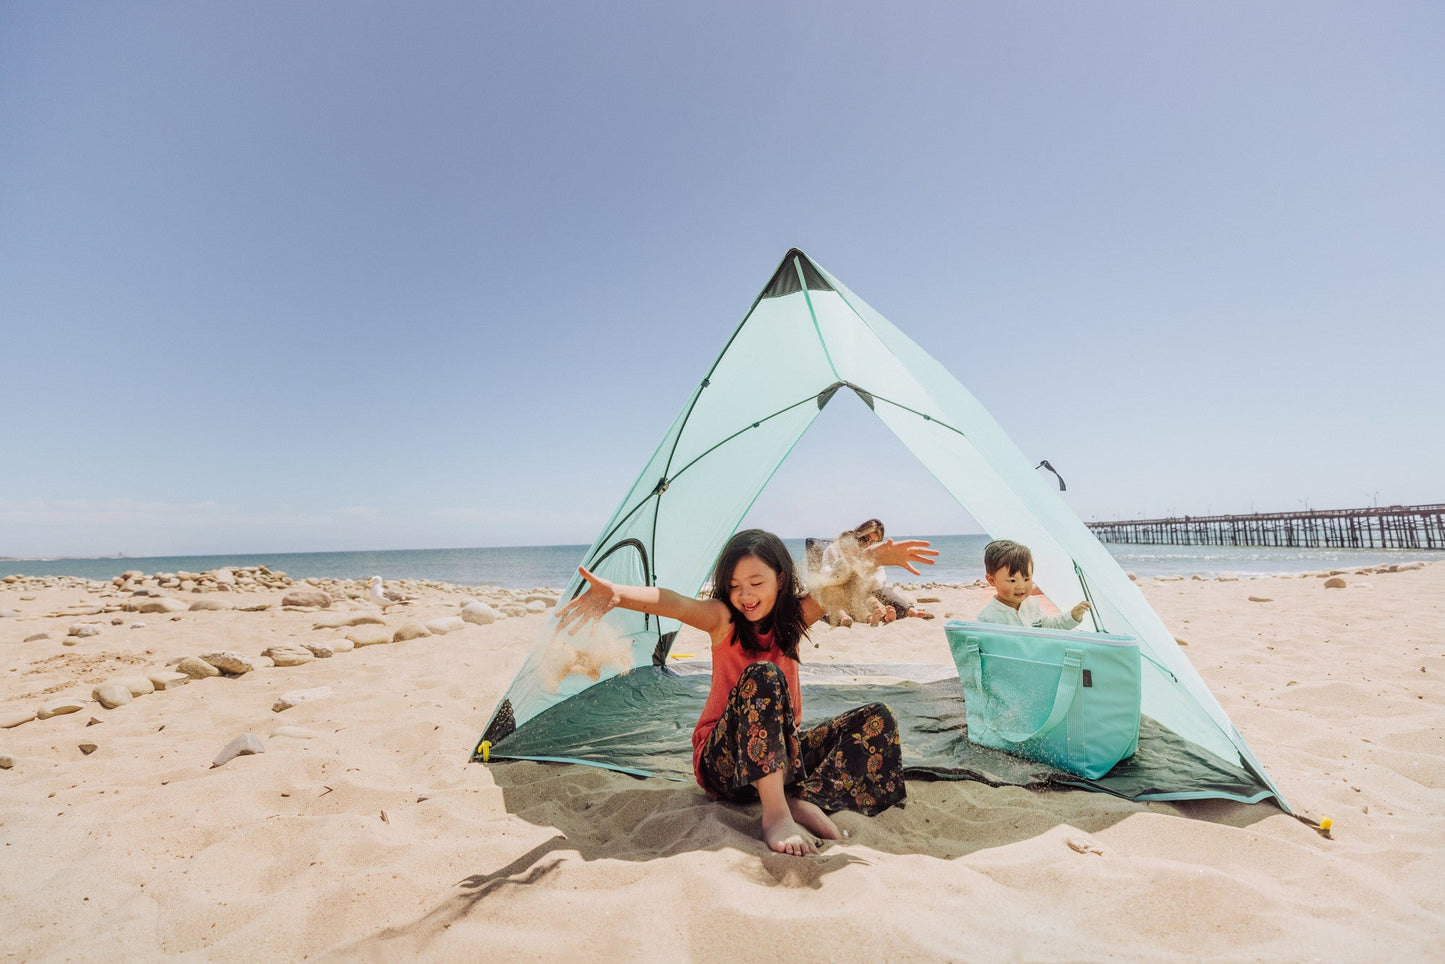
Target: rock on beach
column 228, row 662
column 196, row 668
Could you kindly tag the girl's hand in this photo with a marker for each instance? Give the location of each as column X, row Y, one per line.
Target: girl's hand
column 905, row 554
column 600, row 599
column 1078, row 611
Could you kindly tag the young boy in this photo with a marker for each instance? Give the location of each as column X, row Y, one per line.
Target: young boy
column 1010, row 569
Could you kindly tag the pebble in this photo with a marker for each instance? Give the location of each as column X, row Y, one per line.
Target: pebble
column 82, row 630
column 243, row 745
column 228, row 662
column 319, row 650
column 196, row 668
column 111, row 695
column 288, row 655
column 537, row 606
column 479, row 613
column 297, row 697
column 209, row 605
column 6, row 761
column 1334, row 583
column 1260, row 599
column 158, row 604
column 513, row 609
column 58, row 708
column 88, row 748
column 309, row 598
column 446, row 624
column 340, row 645
column 37, row 637
column 341, row 620
column 1083, row 844
column 410, row 631
column 296, row 732
column 169, row 681
column 370, row 635
column 138, row 685
column 9, row 718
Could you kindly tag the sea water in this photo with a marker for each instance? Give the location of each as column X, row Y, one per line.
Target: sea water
column 960, row 559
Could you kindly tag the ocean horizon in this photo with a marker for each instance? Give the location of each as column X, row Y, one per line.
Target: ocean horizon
column 525, row 567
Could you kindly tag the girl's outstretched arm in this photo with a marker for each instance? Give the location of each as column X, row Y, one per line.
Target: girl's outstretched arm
column 601, row 597
column 905, row 553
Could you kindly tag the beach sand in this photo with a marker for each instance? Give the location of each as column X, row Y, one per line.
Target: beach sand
column 368, row 835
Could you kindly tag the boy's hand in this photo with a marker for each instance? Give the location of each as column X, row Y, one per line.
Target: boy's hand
column 1078, row 611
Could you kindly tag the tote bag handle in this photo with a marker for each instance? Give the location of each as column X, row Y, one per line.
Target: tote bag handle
column 1069, row 679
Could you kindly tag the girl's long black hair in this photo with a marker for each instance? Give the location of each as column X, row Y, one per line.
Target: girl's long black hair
column 786, row 620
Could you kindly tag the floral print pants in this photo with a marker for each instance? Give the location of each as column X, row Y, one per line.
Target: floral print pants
column 851, row 762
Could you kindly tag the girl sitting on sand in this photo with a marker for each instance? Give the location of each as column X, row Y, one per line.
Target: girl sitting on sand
column 747, row 745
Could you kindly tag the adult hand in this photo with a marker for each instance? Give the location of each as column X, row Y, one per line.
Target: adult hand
column 905, row 553
column 599, row 600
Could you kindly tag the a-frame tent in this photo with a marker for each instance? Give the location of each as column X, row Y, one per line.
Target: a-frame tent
column 806, row 338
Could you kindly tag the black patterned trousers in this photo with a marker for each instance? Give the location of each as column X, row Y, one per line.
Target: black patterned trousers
column 850, row 762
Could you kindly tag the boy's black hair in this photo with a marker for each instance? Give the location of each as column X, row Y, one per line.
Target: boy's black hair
column 786, row 620
column 1006, row 553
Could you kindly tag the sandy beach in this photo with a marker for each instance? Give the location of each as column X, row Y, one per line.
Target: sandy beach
column 363, row 832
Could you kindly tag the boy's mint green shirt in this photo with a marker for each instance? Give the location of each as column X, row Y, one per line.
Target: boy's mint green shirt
column 1029, row 613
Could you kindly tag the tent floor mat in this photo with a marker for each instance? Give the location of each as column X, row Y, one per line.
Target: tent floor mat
column 641, row 722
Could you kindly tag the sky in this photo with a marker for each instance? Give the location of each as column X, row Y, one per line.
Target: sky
column 340, row 276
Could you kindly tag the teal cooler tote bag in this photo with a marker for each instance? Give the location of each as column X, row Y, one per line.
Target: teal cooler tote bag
column 1067, row 699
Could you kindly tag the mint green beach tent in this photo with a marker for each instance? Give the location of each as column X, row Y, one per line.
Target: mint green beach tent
column 805, row 339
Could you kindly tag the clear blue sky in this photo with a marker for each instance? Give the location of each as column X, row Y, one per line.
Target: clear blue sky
column 311, row 276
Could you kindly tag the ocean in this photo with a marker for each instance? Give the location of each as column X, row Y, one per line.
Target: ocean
column 525, row 567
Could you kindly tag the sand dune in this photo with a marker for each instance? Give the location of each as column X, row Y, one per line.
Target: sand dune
column 367, row 834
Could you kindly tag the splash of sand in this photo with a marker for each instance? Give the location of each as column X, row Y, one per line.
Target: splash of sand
column 593, row 655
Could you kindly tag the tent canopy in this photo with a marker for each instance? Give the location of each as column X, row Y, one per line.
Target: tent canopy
column 805, row 339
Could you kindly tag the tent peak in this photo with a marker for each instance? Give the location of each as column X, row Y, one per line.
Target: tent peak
column 785, row 281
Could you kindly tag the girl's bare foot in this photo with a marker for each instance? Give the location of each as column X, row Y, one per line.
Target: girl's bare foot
column 810, row 817
column 784, row 836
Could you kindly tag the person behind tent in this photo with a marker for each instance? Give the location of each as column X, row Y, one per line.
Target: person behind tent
column 747, row 744
column 850, row 583
column 1010, row 570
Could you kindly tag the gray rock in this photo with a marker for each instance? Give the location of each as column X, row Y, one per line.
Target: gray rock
column 297, row 697
column 82, row 630
column 310, row 598
column 111, row 695
column 479, row 613
column 196, row 668
column 243, row 745
column 410, row 631
column 370, row 635
column 228, row 662
column 58, row 708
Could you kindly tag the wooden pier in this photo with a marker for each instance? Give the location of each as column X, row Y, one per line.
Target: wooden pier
column 1392, row 527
